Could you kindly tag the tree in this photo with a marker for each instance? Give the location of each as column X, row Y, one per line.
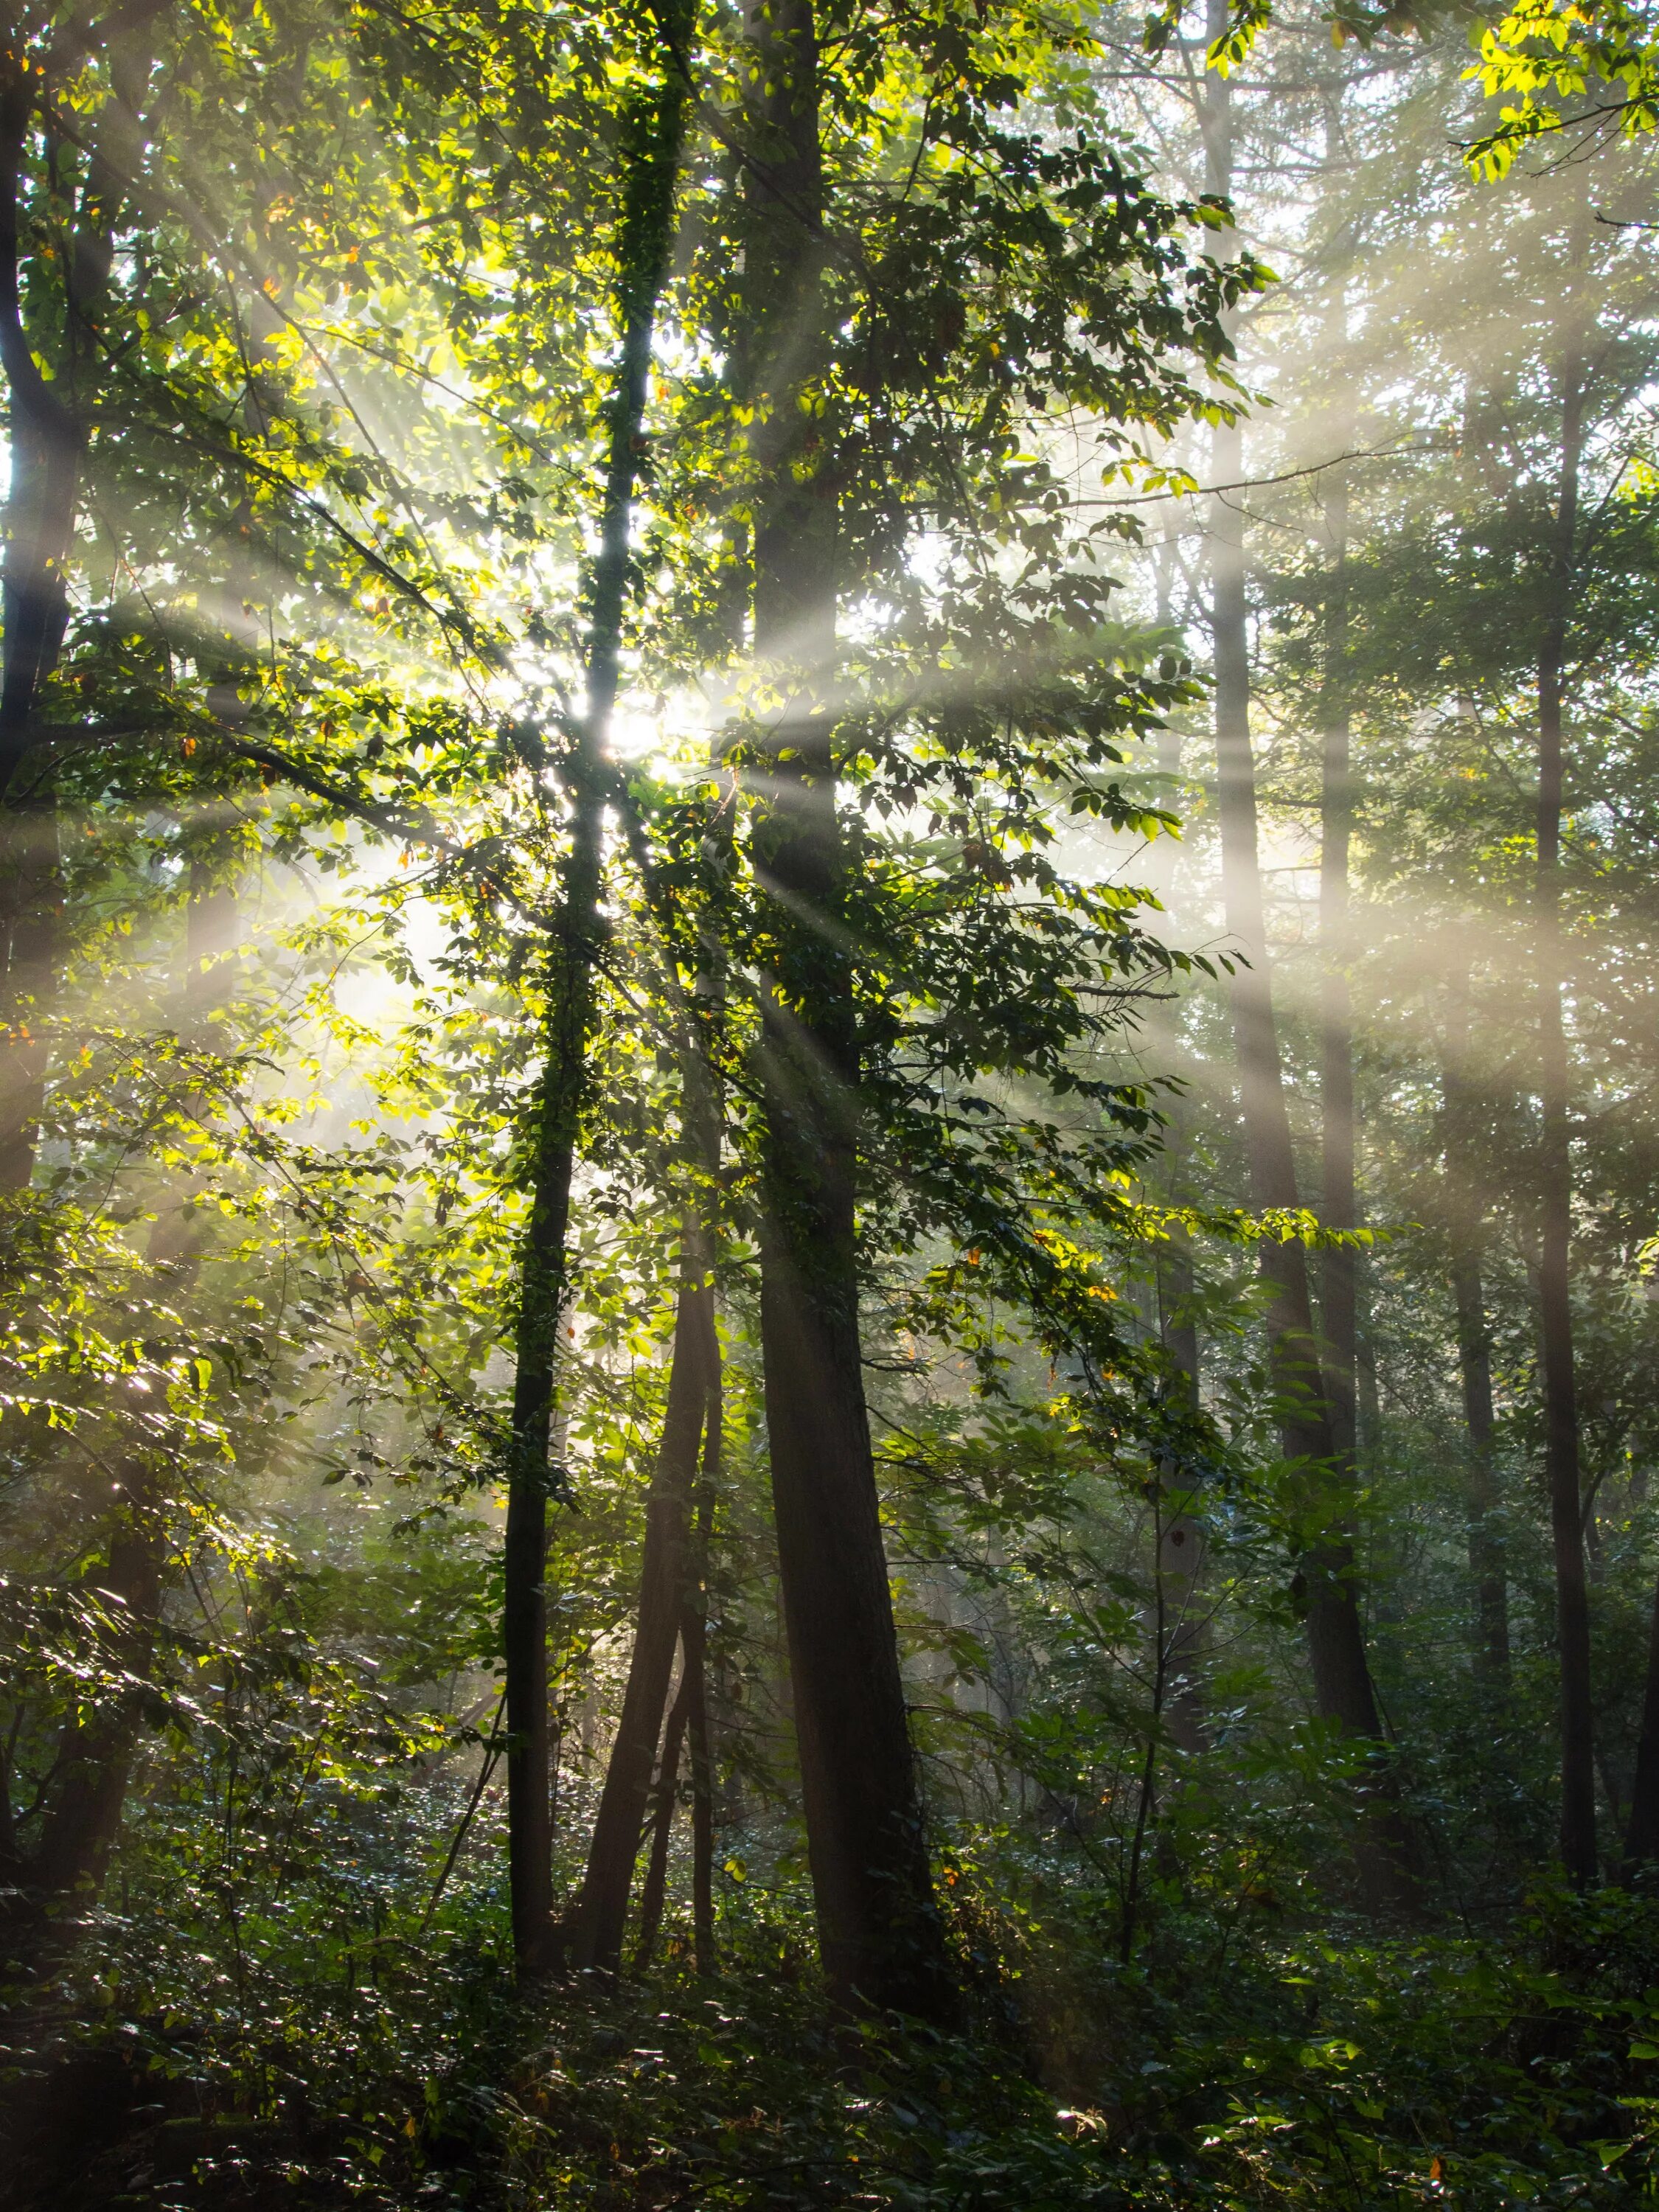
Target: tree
column 1310, row 1432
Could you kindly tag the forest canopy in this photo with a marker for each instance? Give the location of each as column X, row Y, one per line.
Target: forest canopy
column 829, row 1105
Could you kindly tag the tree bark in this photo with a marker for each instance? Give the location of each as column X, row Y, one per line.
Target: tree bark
column 48, row 425
column 662, row 1828
column 1578, row 1845
column 1466, row 1232
column 1642, row 1835
column 1180, row 1540
column 693, row 1646
column 1339, row 1267
column 95, row 1754
column 1309, row 1426
column 879, row 1932
column 1336, row 1643
column 652, row 139
column 1341, row 1671
column 664, row 1605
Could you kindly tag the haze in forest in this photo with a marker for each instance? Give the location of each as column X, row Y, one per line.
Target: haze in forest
column 829, row 1094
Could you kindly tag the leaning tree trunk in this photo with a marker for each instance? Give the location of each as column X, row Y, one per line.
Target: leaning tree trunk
column 879, row 1930
column 653, row 134
column 1578, row 1851
column 664, row 1601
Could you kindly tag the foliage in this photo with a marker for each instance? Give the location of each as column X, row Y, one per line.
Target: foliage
column 298, row 790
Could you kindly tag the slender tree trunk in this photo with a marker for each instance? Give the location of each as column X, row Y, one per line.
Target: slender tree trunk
column 95, row 1755
column 1336, row 1642
column 1180, row 1540
column 1341, row 1672
column 1310, row 1433
column 1485, row 1542
column 663, row 1607
column 1339, row 1284
column 1465, row 1230
column 1642, row 1836
column 1578, row 1848
column 880, row 1936
column 662, row 1828
column 693, row 1646
column 652, row 136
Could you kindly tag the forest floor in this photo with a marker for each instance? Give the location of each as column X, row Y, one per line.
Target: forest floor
column 1328, row 2067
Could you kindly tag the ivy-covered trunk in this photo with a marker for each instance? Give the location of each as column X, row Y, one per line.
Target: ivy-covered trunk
column 654, row 127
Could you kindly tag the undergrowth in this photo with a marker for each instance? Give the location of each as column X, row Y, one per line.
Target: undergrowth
column 1323, row 2066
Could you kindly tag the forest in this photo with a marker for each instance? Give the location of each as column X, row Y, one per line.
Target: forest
column 829, row 1105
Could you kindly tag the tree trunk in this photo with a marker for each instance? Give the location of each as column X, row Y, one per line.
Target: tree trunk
column 879, row 1930
column 1485, row 1542
column 1342, row 1682
column 1309, row 1432
column 95, row 1754
column 652, row 139
column 48, row 423
column 663, row 1609
column 662, row 1829
column 1339, row 1270
column 1341, row 1672
column 1466, row 1234
column 693, row 1646
column 1578, row 1851
column 1642, row 1836
column 1180, row 1540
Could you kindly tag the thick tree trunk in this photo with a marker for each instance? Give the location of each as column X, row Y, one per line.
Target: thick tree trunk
column 880, row 1933
column 1578, row 1848
column 48, row 424
column 652, row 148
column 48, row 427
